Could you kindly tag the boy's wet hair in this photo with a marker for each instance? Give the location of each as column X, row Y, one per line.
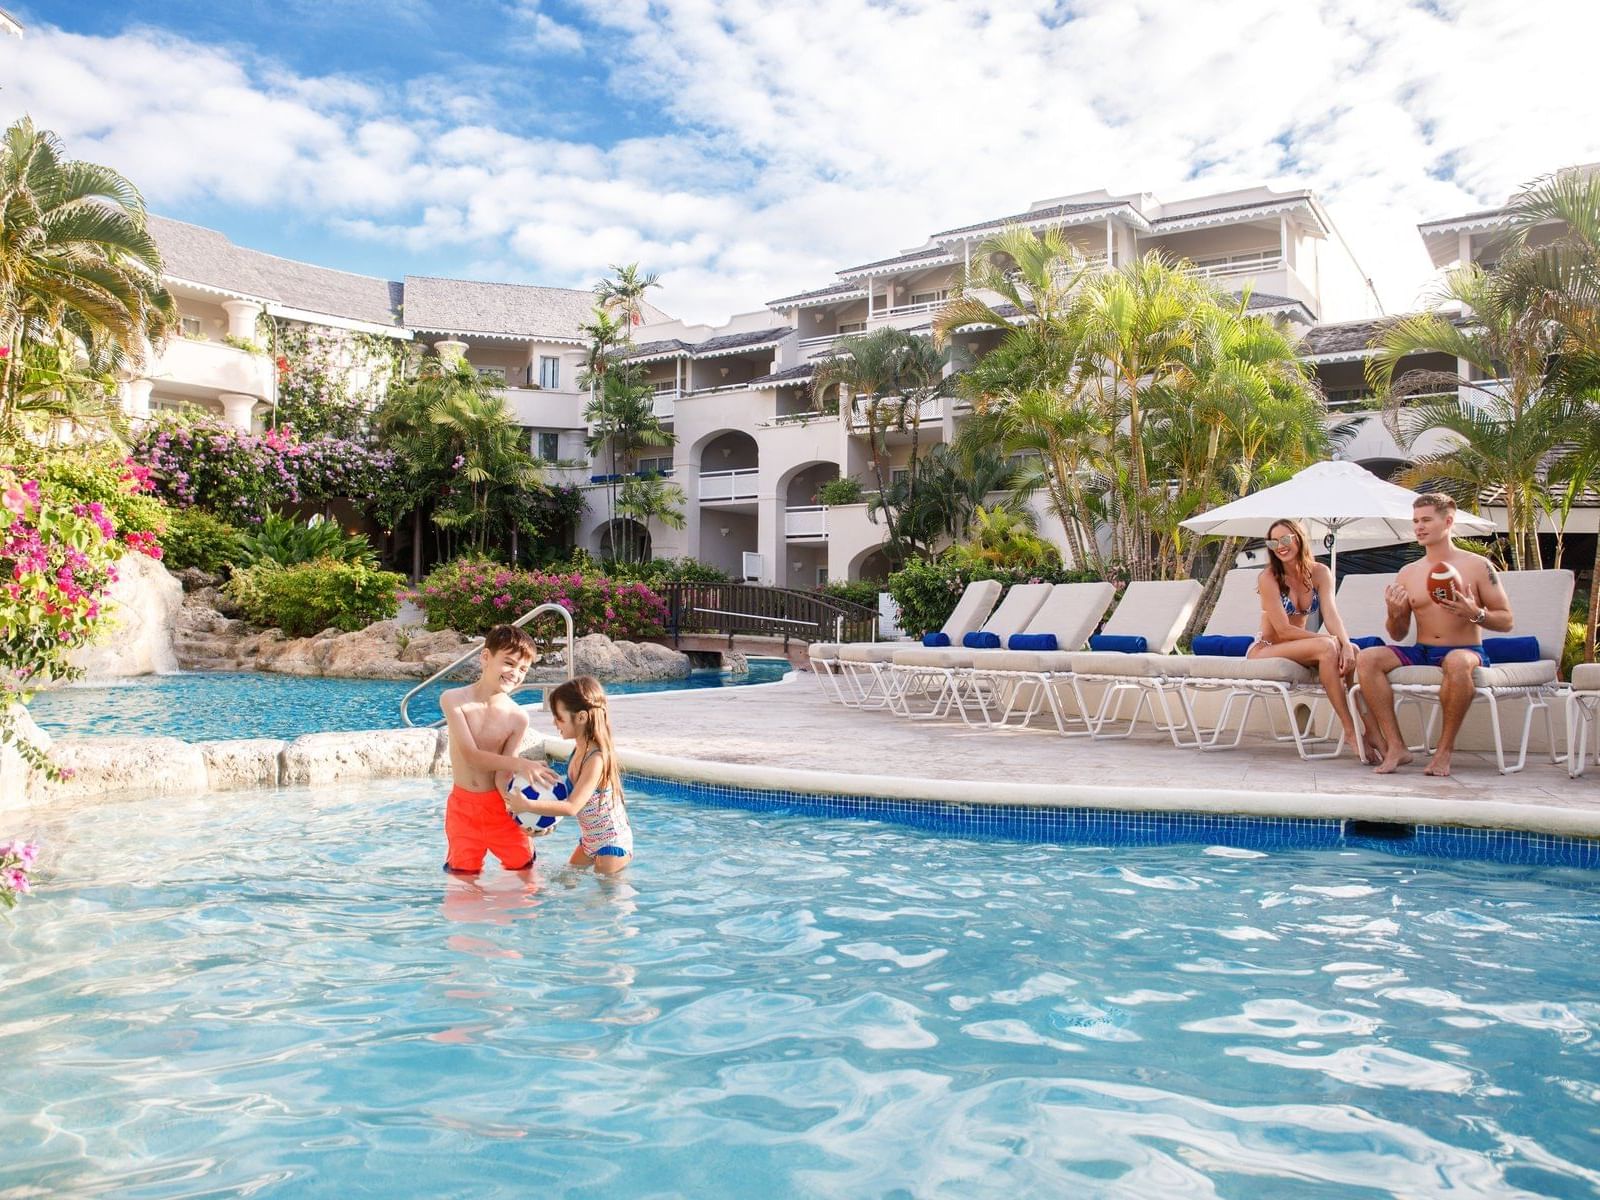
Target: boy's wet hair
column 510, row 637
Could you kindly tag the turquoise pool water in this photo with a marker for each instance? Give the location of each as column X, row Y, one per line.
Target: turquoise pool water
column 280, row 995
column 201, row 706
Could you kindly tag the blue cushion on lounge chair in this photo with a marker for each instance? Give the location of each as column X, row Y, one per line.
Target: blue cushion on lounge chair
column 1512, row 649
column 1366, row 643
column 1223, row 645
column 937, row 638
column 1032, row 641
column 981, row 639
column 1121, row 643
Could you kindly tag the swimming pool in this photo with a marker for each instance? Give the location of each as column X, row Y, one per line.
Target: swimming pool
column 294, row 1001
column 205, row 705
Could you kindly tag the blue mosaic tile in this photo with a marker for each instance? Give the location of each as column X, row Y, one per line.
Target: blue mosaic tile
column 1101, row 826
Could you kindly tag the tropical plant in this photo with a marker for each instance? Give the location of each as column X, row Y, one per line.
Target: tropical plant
column 651, row 499
column 622, row 422
column 472, row 595
column 926, row 590
column 197, row 538
column 80, row 277
column 1502, row 430
column 623, row 294
column 286, row 542
column 309, row 597
column 890, row 375
column 836, row 492
column 959, row 479
column 16, row 860
column 1002, row 538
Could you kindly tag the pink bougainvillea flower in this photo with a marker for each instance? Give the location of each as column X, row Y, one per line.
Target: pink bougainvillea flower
column 5, row 351
column 16, row 499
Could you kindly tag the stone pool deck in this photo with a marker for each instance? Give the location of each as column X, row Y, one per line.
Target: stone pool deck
column 776, row 732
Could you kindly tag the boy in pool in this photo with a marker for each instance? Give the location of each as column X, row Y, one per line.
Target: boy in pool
column 486, row 727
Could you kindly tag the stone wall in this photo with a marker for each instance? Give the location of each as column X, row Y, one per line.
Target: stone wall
column 143, row 608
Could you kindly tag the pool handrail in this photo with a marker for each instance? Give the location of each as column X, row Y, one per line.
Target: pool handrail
column 477, row 645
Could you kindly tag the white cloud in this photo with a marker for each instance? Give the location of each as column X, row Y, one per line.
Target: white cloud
column 802, row 139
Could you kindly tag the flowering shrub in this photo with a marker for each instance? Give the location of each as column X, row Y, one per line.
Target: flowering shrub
column 330, row 380
column 309, row 597
column 110, row 486
column 243, row 476
column 16, row 860
column 56, row 556
column 473, row 595
column 196, row 538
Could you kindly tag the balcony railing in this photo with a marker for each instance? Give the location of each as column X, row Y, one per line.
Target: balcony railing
column 664, row 405
column 721, row 387
column 1249, row 263
column 805, row 521
column 728, row 485
column 890, row 411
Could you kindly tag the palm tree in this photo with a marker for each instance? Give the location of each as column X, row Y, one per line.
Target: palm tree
column 649, row 499
column 624, row 293
column 889, row 374
column 1510, row 428
column 622, row 421
column 78, row 268
column 606, row 335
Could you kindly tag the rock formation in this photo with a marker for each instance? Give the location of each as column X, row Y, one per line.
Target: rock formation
column 143, row 606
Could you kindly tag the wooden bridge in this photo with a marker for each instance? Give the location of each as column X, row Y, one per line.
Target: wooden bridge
column 767, row 621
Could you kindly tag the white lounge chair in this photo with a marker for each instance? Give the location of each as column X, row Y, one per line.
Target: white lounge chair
column 1583, row 718
column 940, row 671
column 1022, row 682
column 1243, row 681
column 856, row 670
column 1540, row 601
column 1156, row 611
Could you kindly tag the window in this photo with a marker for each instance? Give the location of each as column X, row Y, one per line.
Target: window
column 930, row 297
column 191, row 326
column 550, row 446
column 852, row 326
column 822, row 576
column 656, row 466
column 492, row 375
column 549, row 371
column 900, row 475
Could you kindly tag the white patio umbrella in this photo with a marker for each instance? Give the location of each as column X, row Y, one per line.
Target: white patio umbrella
column 1337, row 500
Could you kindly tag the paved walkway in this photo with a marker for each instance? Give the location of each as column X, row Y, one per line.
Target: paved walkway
column 794, row 725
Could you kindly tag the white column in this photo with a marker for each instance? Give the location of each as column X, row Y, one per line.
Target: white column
column 136, row 398
column 242, row 318
column 1463, row 249
column 449, row 351
column 1111, row 244
column 238, row 410
column 1283, row 240
column 869, row 297
column 769, row 540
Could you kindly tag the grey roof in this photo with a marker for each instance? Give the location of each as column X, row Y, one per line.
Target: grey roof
column 1342, row 337
column 1038, row 214
column 899, row 259
column 1481, row 215
column 658, row 349
column 836, row 289
column 515, row 309
column 736, row 341
column 788, row 375
column 1274, row 202
column 204, row 256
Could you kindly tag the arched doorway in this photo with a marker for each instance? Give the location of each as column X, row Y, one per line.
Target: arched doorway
column 624, row 539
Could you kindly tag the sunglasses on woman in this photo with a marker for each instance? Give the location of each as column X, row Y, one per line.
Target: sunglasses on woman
column 1287, row 542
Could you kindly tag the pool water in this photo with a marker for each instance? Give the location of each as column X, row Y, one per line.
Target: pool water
column 205, row 705
column 281, row 995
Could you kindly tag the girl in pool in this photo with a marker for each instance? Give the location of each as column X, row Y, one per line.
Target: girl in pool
column 594, row 781
column 1293, row 587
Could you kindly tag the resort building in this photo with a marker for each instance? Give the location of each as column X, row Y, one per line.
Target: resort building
column 753, row 443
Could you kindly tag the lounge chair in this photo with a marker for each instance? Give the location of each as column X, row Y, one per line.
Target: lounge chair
column 856, row 670
column 941, row 671
column 1583, row 718
column 1243, row 681
column 1156, row 612
column 1539, row 603
column 1022, row 682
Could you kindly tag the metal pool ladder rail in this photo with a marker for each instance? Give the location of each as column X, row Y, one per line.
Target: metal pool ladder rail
column 477, row 645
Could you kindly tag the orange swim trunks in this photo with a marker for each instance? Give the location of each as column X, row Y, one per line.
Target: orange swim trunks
column 478, row 823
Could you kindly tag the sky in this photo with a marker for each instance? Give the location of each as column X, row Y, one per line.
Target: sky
column 747, row 149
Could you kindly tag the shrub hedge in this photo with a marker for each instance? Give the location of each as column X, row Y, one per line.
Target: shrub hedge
column 473, row 595
column 197, row 538
column 927, row 592
column 309, row 597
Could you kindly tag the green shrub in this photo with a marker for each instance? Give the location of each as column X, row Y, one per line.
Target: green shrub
column 840, row 491
column 309, row 597
column 196, row 538
column 473, row 595
column 98, row 474
column 1572, row 652
column 285, row 542
column 652, row 571
column 927, row 591
column 857, row 591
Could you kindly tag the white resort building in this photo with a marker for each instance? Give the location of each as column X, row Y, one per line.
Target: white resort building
column 752, row 447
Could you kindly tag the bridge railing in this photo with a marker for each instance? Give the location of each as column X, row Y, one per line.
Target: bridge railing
column 732, row 609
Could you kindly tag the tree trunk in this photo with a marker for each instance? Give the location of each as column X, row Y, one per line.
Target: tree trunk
column 1213, row 587
column 416, row 545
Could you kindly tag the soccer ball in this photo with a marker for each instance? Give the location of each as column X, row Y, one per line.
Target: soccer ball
column 537, row 824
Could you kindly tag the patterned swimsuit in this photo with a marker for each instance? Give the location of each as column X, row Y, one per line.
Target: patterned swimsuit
column 603, row 820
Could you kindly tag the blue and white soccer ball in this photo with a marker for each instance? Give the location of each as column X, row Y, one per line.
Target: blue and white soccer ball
column 537, row 824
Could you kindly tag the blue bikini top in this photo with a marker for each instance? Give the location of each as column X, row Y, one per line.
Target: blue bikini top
column 1289, row 610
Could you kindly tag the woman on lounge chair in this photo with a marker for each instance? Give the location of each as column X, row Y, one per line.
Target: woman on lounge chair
column 1293, row 586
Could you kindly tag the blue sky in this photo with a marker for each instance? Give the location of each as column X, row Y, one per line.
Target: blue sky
column 748, row 148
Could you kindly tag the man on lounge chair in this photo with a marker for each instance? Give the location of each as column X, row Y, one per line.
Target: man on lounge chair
column 1452, row 610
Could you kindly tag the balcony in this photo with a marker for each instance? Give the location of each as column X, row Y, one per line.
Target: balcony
column 890, row 411
column 1250, row 262
column 728, row 485
column 212, row 367
column 807, row 522
column 664, row 405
